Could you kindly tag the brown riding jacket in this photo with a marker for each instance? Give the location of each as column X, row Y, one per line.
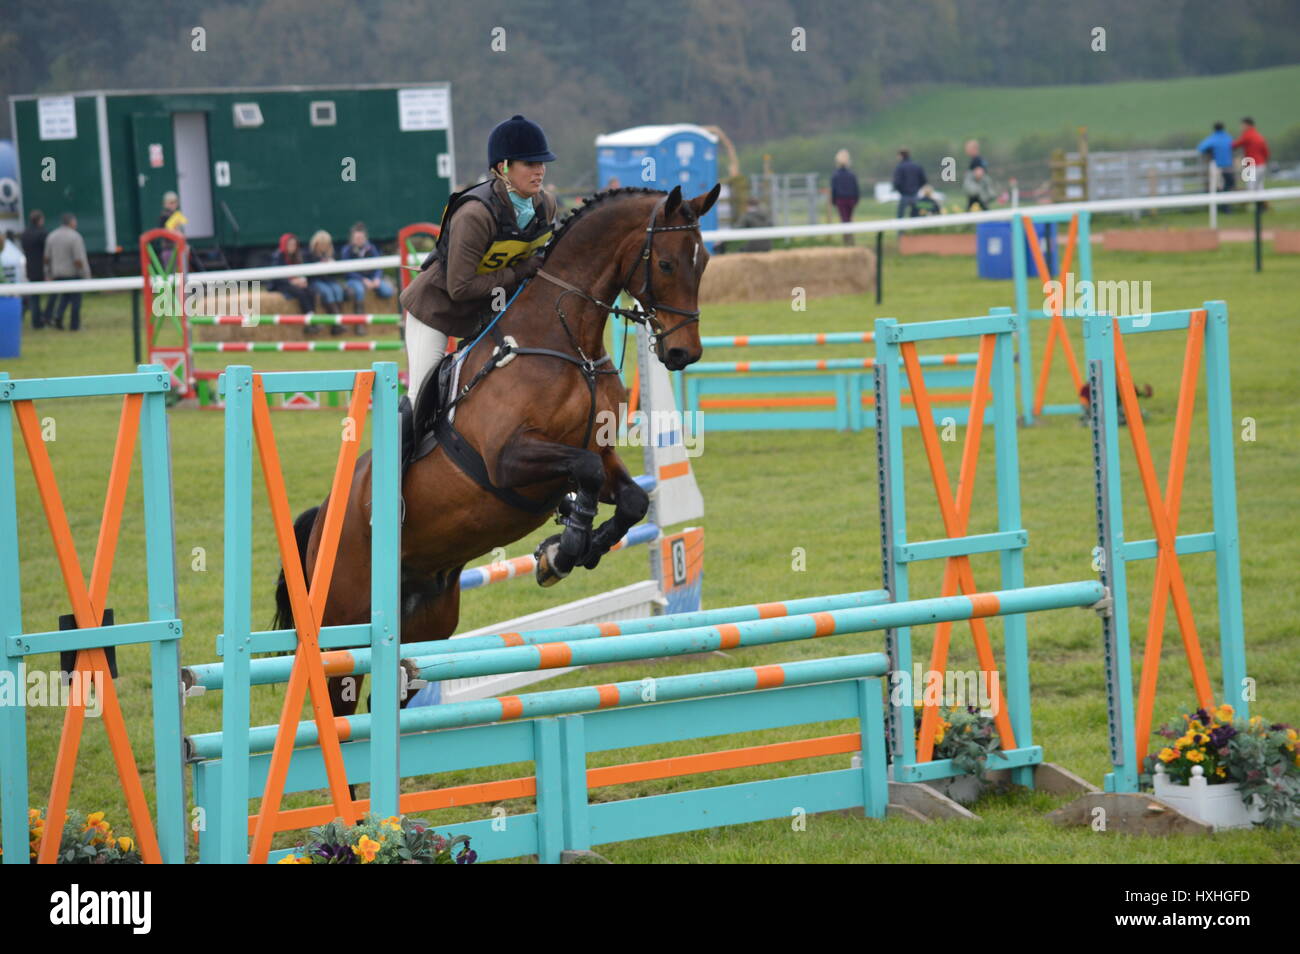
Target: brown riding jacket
column 455, row 299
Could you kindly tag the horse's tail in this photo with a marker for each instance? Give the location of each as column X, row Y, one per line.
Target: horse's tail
column 302, row 533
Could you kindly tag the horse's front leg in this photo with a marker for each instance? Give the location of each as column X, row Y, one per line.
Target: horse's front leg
column 526, row 460
column 630, row 506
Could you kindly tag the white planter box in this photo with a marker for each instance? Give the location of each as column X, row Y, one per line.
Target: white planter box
column 1217, row 805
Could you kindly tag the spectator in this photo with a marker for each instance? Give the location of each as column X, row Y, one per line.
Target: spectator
column 755, row 218
column 1254, row 147
column 297, row 287
column 908, row 179
column 329, row 291
column 978, row 188
column 65, row 260
column 844, row 190
column 976, row 183
column 1218, row 146
column 171, row 218
column 33, row 243
column 358, row 283
column 926, row 203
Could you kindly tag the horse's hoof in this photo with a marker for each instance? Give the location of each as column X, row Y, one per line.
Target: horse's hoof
column 547, row 572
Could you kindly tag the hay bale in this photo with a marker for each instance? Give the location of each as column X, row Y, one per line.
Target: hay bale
column 770, row 276
column 1161, row 240
column 936, row 243
column 1286, row 241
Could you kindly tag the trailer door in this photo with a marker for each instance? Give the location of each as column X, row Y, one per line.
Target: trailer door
column 153, row 153
column 193, row 173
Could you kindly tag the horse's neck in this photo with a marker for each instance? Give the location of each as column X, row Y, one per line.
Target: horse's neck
column 586, row 321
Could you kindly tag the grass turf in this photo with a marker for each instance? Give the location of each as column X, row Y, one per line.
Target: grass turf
column 766, row 495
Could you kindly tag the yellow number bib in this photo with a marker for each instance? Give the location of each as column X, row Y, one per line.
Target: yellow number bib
column 503, row 254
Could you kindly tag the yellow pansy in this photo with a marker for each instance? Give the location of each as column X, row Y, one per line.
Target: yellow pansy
column 125, row 844
column 93, row 820
column 366, row 849
column 1167, row 755
column 392, row 822
column 1196, row 755
column 1221, row 772
column 1224, row 713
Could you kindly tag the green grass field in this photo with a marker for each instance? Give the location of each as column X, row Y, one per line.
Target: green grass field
column 766, row 495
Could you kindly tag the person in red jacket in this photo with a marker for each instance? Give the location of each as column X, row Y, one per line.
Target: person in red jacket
column 1254, row 150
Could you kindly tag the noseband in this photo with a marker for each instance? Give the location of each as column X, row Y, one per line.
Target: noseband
column 650, row 315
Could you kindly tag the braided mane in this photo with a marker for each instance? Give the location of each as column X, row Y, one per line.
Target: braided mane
column 601, row 198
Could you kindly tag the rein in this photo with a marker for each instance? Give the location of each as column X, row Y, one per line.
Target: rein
column 652, row 307
column 465, row 456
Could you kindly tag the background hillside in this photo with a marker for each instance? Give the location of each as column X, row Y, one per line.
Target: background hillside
column 1019, row 127
column 586, row 66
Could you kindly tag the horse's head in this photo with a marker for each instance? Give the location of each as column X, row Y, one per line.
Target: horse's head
column 664, row 274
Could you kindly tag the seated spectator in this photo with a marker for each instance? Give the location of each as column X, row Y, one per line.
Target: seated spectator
column 358, row 283
column 926, row 204
column 296, row 288
column 329, row 291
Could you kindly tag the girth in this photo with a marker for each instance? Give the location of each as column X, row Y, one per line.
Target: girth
column 465, row 456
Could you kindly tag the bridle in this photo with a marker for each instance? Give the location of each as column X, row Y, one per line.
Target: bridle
column 648, row 314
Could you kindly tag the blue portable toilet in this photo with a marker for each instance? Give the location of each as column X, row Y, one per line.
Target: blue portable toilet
column 660, row 157
column 993, row 255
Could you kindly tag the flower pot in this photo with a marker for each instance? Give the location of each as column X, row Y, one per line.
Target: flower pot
column 1217, row 805
column 962, row 789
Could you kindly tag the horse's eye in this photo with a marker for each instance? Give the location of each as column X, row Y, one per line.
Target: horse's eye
column 665, row 266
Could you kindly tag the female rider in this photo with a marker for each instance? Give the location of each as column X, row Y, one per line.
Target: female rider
column 491, row 238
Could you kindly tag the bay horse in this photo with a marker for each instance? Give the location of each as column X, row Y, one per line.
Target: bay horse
column 530, row 420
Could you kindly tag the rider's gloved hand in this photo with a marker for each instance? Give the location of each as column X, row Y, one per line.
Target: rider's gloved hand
column 527, row 268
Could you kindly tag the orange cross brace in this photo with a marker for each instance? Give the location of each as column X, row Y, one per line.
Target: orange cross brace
column 88, row 610
column 956, row 516
column 1056, row 330
column 1164, row 518
column 308, row 610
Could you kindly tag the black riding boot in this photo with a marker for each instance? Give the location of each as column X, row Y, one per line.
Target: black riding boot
column 407, row 418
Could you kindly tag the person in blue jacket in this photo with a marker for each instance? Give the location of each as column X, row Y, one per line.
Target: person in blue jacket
column 908, row 179
column 1218, row 147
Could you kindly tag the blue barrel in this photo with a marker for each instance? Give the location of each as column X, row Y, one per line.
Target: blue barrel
column 11, row 327
column 993, row 249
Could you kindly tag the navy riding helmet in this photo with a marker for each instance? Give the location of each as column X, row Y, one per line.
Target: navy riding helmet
column 518, row 138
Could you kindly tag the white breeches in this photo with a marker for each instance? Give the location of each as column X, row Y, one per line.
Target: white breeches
column 425, row 347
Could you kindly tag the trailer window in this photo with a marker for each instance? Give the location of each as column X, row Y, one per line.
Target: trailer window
column 247, row 115
column 322, row 112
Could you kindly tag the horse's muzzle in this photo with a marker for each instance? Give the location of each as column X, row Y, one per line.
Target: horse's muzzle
column 678, row 358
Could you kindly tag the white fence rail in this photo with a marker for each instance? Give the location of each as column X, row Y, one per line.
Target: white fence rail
column 830, row 230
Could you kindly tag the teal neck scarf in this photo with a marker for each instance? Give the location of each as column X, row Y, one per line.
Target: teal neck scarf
column 524, row 210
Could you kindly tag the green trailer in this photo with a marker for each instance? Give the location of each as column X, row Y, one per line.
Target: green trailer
column 248, row 164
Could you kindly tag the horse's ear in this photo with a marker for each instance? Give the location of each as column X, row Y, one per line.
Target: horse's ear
column 674, row 200
column 702, row 203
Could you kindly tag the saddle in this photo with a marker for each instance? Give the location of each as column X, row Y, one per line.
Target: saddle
column 419, row 436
